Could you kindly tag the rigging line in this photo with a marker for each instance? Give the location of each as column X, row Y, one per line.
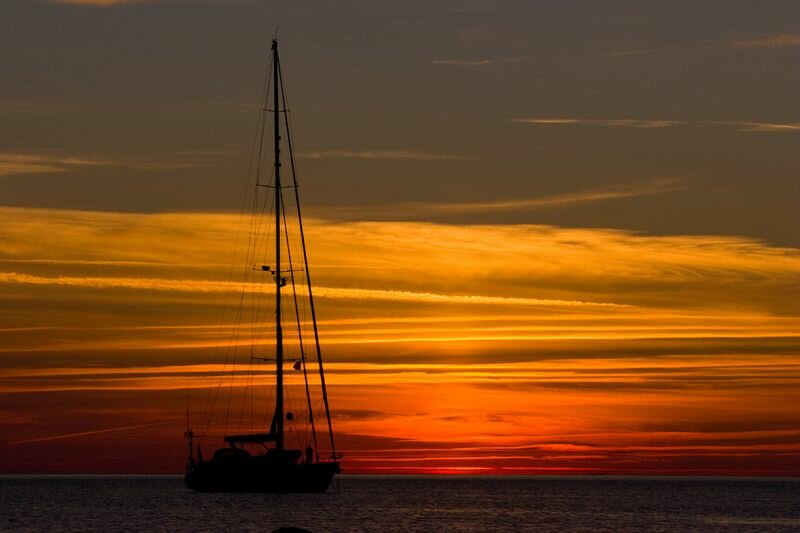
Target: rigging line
column 305, row 263
column 249, row 390
column 235, row 336
column 263, row 121
column 299, row 327
column 259, row 120
column 252, row 397
column 241, row 411
column 255, row 229
column 207, row 424
column 233, row 347
column 269, row 399
column 257, row 221
column 188, row 416
column 256, row 295
column 236, row 332
column 234, row 329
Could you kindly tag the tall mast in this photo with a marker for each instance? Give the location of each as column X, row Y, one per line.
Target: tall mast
column 278, row 272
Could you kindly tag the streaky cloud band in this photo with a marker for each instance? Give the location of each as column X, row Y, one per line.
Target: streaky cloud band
column 610, row 192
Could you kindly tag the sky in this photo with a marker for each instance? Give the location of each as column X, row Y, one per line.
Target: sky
column 546, row 237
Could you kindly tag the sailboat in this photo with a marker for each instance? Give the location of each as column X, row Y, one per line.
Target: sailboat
column 266, row 460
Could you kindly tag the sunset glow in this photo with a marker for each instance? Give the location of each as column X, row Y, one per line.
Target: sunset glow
column 525, row 349
column 543, row 237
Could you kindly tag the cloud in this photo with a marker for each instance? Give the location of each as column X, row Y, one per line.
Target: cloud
column 774, row 127
column 203, row 286
column 101, row 317
column 99, row 3
column 380, row 154
column 112, row 3
column 549, row 422
column 391, row 290
column 96, row 262
column 643, row 51
column 475, row 62
column 22, row 163
column 611, row 192
column 531, row 261
column 765, row 127
column 31, row 163
column 422, row 209
column 602, row 373
column 777, row 41
column 618, row 123
column 83, row 433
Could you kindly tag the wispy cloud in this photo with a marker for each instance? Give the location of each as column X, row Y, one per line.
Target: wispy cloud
column 33, row 163
column 379, row 154
column 777, row 41
column 205, row 286
column 21, row 163
column 774, row 127
column 610, row 192
column 643, row 51
column 112, row 3
column 427, row 269
column 98, row 3
column 84, row 262
column 483, row 62
column 617, row 123
column 765, row 127
column 554, row 373
column 82, row 433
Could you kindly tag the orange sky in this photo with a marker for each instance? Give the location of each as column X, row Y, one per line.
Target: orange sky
column 450, row 348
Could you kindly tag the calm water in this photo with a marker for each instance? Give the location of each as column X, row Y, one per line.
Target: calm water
column 407, row 504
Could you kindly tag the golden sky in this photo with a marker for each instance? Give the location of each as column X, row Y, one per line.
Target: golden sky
column 490, row 348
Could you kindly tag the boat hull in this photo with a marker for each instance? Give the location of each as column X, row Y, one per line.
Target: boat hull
column 261, row 476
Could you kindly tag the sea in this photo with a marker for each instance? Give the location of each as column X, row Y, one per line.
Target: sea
column 407, row 503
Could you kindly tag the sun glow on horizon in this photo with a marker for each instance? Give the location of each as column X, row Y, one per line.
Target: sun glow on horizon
column 449, row 349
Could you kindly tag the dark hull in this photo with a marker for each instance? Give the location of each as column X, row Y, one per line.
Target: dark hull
column 256, row 475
